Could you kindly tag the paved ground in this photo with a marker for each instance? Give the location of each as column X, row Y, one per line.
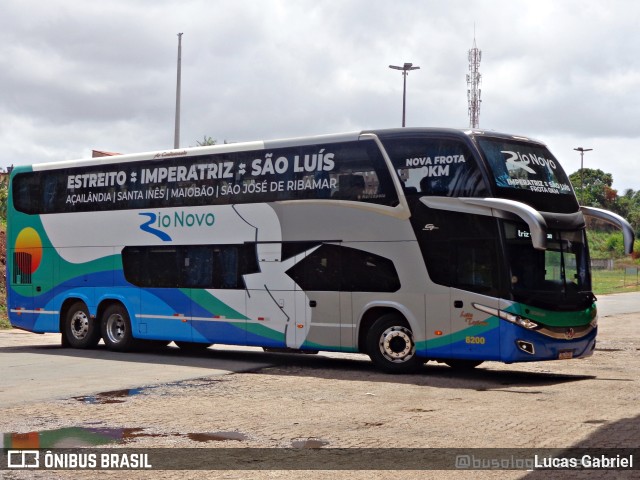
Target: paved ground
column 335, row 401
column 618, row 304
column 36, row 368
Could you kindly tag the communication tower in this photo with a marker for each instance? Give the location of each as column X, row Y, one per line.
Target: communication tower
column 473, row 85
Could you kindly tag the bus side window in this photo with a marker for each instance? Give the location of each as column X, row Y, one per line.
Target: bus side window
column 435, row 166
column 463, row 251
column 318, row 271
column 198, row 266
column 226, row 270
column 350, row 187
column 161, row 268
column 339, row 268
column 189, row 266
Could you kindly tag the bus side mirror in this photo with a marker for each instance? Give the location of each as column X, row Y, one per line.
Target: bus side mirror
column 614, row 219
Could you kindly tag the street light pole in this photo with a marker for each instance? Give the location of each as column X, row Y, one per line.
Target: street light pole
column 582, row 150
column 176, row 135
column 405, row 71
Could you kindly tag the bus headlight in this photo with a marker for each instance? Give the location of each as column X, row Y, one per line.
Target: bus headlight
column 509, row 317
column 518, row 320
column 526, row 323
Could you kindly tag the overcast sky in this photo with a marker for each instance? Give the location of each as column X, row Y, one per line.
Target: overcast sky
column 78, row 75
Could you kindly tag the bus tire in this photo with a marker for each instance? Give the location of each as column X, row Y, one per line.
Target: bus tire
column 79, row 329
column 390, row 345
column 116, row 328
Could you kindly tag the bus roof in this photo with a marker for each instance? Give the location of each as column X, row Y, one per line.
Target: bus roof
column 265, row 144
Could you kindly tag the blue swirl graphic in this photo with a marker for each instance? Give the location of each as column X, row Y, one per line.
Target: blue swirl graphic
column 154, row 231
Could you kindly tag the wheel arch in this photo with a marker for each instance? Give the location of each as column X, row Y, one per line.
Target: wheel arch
column 66, row 305
column 106, row 302
column 372, row 313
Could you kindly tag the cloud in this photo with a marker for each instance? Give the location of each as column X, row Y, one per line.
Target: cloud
column 79, row 75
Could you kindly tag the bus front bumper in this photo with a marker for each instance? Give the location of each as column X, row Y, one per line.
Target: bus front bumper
column 521, row 345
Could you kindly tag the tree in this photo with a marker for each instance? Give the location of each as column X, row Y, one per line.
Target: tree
column 4, row 198
column 206, row 141
column 629, row 207
column 594, row 188
column 598, row 192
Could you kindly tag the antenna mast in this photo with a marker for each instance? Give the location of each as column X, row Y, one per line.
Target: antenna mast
column 473, row 83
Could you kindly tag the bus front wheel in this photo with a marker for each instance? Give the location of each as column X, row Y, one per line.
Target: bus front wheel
column 79, row 329
column 116, row 328
column 391, row 346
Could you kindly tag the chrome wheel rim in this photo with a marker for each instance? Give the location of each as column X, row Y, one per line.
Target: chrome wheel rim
column 79, row 325
column 116, row 328
column 396, row 344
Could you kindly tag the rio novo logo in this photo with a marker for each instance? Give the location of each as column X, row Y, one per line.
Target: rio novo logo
column 159, row 221
column 180, row 219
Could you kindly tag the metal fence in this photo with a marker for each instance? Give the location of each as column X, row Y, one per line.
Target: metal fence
column 602, row 263
column 631, row 276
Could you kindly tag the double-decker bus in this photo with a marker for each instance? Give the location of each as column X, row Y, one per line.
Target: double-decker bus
column 409, row 245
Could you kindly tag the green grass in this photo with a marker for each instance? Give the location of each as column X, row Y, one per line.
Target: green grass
column 613, row 281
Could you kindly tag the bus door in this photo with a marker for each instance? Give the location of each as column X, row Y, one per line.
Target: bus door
column 462, row 252
column 475, row 280
column 328, row 320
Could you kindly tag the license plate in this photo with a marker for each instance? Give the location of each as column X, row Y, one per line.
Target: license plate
column 565, row 354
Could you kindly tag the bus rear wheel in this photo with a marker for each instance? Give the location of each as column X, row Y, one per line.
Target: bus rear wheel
column 116, row 329
column 79, row 329
column 390, row 345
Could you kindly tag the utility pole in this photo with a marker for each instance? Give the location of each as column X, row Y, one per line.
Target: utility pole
column 405, row 71
column 582, row 150
column 176, row 136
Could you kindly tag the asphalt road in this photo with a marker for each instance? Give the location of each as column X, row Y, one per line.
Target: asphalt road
column 618, row 304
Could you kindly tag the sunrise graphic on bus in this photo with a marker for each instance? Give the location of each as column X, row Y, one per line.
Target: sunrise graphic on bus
column 27, row 254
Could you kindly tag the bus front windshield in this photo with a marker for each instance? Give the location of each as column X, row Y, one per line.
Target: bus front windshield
column 556, row 278
column 527, row 172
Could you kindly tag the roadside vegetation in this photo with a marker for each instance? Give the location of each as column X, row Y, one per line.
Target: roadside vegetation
column 4, row 322
column 593, row 188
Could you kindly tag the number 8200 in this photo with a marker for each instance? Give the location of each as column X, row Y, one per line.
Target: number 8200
column 475, row 340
